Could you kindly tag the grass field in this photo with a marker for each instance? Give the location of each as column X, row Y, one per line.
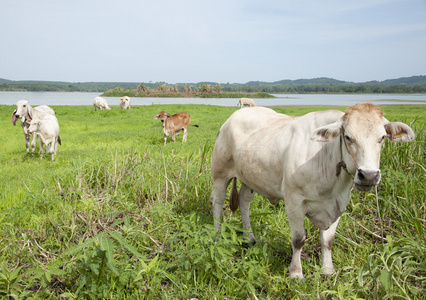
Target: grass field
column 119, row 215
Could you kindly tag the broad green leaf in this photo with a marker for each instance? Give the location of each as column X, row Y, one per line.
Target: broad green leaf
column 386, row 279
column 79, row 247
column 108, row 246
column 119, row 238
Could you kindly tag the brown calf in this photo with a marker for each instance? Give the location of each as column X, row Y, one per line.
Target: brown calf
column 173, row 124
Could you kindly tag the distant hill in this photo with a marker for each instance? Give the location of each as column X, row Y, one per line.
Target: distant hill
column 413, row 80
column 321, row 80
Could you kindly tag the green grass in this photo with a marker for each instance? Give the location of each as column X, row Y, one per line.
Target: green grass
column 119, row 215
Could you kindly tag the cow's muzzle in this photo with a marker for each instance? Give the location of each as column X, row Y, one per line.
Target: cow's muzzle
column 366, row 179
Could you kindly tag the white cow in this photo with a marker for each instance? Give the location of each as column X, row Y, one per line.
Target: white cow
column 47, row 129
column 100, row 103
column 26, row 113
column 246, row 102
column 311, row 162
column 125, row 102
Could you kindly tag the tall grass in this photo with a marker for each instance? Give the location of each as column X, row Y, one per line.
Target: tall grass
column 119, row 215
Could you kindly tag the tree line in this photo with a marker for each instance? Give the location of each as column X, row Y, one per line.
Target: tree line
column 211, row 87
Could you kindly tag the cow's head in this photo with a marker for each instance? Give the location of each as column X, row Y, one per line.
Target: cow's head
column 34, row 126
column 163, row 116
column 23, row 110
column 360, row 134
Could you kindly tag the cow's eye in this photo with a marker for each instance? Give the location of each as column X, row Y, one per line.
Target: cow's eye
column 348, row 139
column 382, row 139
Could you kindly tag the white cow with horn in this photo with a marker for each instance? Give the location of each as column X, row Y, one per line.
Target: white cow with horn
column 25, row 112
column 311, row 162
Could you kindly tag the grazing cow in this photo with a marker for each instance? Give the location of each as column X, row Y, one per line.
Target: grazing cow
column 174, row 124
column 311, row 162
column 26, row 113
column 47, row 129
column 100, row 103
column 125, row 102
column 246, row 102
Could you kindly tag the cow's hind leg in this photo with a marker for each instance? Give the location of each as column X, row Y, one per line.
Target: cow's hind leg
column 218, row 196
column 327, row 238
column 185, row 135
column 245, row 196
column 53, row 149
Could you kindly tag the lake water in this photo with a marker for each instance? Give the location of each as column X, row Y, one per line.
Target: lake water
column 63, row 98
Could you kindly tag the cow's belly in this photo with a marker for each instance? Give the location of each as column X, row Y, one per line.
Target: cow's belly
column 260, row 177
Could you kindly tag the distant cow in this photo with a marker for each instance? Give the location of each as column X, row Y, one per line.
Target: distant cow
column 246, row 102
column 47, row 129
column 100, row 103
column 174, row 124
column 311, row 162
column 26, row 113
column 125, row 102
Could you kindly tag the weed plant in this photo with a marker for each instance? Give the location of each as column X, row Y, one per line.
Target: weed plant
column 119, row 215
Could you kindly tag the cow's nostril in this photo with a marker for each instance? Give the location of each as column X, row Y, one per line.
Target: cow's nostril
column 377, row 175
column 361, row 175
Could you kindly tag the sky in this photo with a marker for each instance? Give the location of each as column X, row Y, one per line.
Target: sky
column 224, row 41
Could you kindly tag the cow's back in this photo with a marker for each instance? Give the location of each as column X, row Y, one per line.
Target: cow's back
column 49, row 126
column 45, row 110
column 180, row 120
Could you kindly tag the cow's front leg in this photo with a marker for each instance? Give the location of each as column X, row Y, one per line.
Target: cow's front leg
column 33, row 141
column 245, row 196
column 27, row 142
column 165, row 139
column 40, row 144
column 327, row 238
column 296, row 220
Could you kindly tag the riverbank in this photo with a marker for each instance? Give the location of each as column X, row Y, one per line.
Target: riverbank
column 186, row 94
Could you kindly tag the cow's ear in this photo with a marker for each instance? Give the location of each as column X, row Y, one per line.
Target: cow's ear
column 29, row 112
column 327, row 133
column 156, row 117
column 399, row 132
column 14, row 118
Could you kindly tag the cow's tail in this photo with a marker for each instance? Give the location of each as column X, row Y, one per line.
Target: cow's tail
column 233, row 199
column 59, row 140
column 190, row 123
